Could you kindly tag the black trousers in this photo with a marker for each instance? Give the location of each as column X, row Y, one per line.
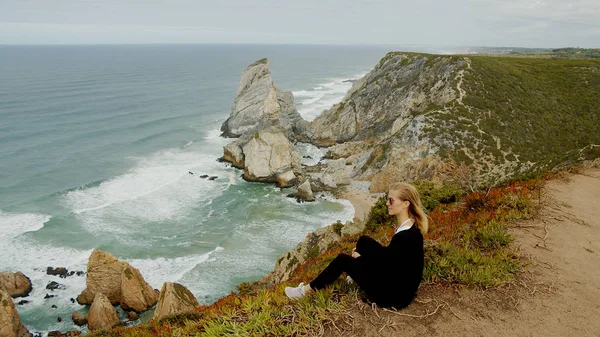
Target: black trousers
column 345, row 263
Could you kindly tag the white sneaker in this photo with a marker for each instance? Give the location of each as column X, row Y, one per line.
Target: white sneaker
column 295, row 292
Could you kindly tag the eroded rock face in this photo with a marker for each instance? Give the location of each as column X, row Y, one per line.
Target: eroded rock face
column 387, row 98
column 103, row 276
column 233, row 153
column 118, row 281
column 314, row 244
column 79, row 318
column 10, row 323
column 304, row 191
column 136, row 294
column 269, row 154
column 15, row 284
column 174, row 298
column 102, row 314
column 259, row 104
column 334, row 175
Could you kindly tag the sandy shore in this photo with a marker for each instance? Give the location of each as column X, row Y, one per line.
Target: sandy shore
column 361, row 199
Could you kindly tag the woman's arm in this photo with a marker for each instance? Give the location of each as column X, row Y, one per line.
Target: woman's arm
column 368, row 247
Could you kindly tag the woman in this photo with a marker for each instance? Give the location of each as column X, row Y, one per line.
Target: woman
column 390, row 275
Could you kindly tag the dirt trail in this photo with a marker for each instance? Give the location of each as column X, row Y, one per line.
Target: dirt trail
column 558, row 295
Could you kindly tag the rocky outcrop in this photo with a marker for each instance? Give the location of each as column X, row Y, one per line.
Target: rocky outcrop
column 118, row 281
column 333, row 175
column 102, row 314
column 269, row 155
column 385, row 99
column 234, row 154
column 418, row 114
column 15, row 284
column 174, row 298
column 346, row 150
column 314, row 244
column 79, row 318
column 259, row 104
column 136, row 294
column 103, row 276
column 10, row 323
column 304, row 192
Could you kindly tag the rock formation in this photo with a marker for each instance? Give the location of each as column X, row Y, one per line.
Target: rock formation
column 10, row 323
column 102, row 314
column 314, row 244
column 259, row 104
column 136, row 294
column 331, row 176
column 416, row 115
column 118, row 281
column 15, row 284
column 304, row 191
column 79, row 318
column 174, row 298
column 265, row 156
column 103, row 276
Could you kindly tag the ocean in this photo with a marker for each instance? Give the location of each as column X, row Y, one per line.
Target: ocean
column 103, row 147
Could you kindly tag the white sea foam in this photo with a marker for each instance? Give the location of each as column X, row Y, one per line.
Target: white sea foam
column 310, row 154
column 158, row 188
column 14, row 224
column 312, row 102
column 160, row 270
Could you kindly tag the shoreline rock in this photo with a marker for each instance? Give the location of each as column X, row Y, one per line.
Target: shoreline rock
column 120, row 282
column 102, row 314
column 259, row 104
column 174, row 298
column 15, row 284
column 10, row 323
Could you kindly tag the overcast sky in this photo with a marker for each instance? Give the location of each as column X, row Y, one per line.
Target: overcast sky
column 518, row 23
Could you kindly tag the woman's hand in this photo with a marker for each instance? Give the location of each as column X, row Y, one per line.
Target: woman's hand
column 354, row 253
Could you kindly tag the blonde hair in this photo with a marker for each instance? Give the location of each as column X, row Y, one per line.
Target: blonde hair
column 408, row 192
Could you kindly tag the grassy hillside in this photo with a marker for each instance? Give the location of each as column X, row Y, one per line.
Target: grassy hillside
column 534, row 111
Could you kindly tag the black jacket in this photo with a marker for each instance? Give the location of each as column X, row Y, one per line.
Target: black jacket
column 395, row 271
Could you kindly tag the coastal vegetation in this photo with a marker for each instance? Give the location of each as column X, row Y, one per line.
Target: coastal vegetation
column 468, row 245
column 538, row 111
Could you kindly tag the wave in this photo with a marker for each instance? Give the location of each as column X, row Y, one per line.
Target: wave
column 158, row 188
column 312, row 102
column 15, row 224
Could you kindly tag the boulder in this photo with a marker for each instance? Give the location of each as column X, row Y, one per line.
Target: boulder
column 103, row 276
column 174, row 298
column 259, row 104
column 118, row 281
column 132, row 315
column 304, row 191
column 61, row 272
column 79, row 318
column 268, row 154
column 136, row 294
column 15, row 284
column 53, row 285
column 334, row 175
column 286, row 179
column 102, row 314
column 10, row 323
column 233, row 153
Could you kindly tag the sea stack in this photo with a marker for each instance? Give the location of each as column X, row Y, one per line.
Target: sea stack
column 259, row 104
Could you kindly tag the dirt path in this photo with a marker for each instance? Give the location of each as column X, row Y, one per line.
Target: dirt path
column 558, row 295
